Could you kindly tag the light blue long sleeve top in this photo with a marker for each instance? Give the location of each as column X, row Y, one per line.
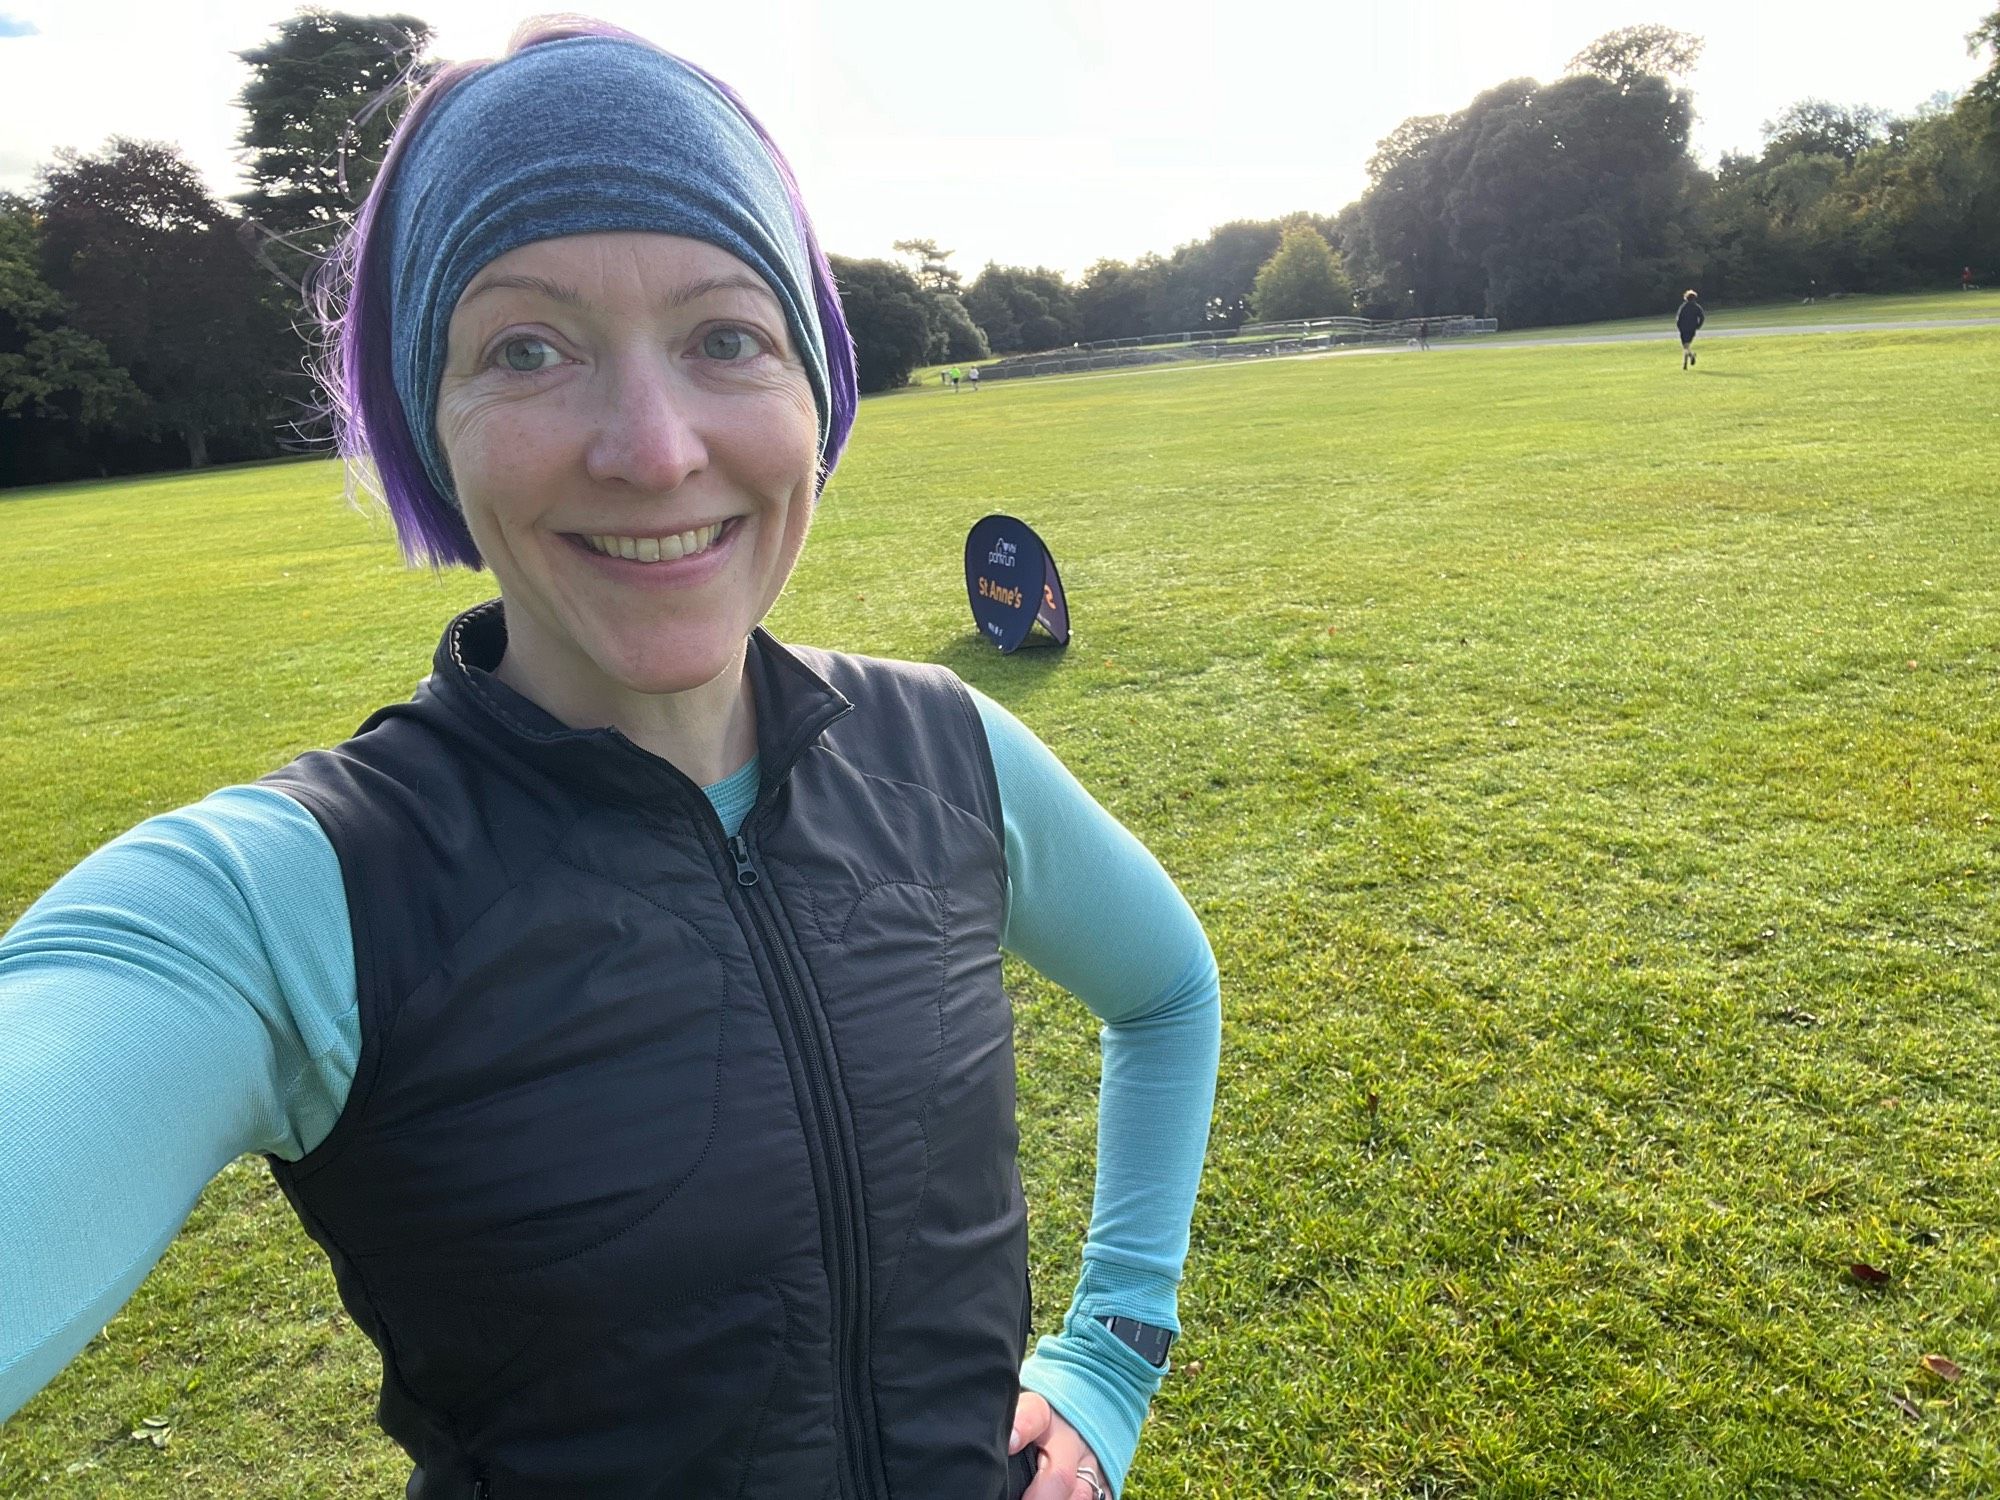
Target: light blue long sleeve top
column 186, row 995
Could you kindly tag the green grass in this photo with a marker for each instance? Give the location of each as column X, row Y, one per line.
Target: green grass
column 1864, row 308
column 1587, row 774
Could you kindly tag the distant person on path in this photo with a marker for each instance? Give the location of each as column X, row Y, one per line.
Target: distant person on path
column 1689, row 320
column 955, row 376
column 972, row 379
column 623, row 1014
column 1423, row 333
column 1965, row 279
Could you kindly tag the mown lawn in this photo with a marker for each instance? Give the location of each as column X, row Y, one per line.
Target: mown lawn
column 1873, row 307
column 1587, row 774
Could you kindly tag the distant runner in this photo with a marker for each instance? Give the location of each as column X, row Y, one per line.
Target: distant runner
column 1689, row 320
column 972, row 379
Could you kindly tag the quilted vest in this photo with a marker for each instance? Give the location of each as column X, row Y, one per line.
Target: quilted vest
column 676, row 1164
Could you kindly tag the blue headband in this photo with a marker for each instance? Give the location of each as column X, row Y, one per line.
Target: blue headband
column 580, row 136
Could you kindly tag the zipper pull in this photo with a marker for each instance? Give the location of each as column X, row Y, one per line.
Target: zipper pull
column 746, row 873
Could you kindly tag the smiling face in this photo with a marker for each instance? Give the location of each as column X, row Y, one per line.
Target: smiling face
column 635, row 447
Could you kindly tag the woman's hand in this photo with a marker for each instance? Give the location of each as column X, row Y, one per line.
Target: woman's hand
column 1035, row 1421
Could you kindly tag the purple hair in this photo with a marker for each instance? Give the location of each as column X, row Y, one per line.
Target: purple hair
column 351, row 305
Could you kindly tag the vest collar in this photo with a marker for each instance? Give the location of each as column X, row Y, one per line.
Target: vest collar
column 795, row 705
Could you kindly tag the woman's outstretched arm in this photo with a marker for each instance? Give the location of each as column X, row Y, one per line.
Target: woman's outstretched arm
column 184, row 995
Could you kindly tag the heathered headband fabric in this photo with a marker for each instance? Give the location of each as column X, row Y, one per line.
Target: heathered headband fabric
column 586, row 135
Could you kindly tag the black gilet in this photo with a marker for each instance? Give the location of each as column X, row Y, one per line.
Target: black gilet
column 676, row 1164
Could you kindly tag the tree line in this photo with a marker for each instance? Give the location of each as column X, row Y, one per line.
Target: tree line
column 144, row 324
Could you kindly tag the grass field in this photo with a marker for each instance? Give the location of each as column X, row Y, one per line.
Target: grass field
column 1587, row 774
column 1892, row 307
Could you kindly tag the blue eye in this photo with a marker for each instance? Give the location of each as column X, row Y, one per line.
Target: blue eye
column 727, row 344
column 526, row 355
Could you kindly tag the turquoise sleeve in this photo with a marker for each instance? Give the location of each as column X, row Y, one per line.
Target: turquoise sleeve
column 1091, row 909
column 184, row 995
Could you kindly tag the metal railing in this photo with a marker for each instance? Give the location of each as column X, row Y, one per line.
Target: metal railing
column 1251, row 341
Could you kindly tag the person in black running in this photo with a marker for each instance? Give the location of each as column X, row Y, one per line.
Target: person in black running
column 1689, row 320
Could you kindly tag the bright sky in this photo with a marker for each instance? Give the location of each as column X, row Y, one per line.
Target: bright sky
column 1046, row 132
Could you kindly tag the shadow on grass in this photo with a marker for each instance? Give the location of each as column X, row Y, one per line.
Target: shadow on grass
column 1007, row 678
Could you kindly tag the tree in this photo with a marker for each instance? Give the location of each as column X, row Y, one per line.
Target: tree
column 931, row 265
column 1982, row 101
column 1985, row 37
column 954, row 336
column 1633, row 52
column 1818, row 127
column 1303, row 279
column 57, row 384
column 1398, row 230
column 1536, row 203
column 1206, row 284
column 1023, row 307
column 889, row 316
column 155, row 271
column 317, row 123
column 1120, row 301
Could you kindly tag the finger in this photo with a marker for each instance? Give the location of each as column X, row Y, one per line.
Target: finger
column 1056, row 1478
column 1031, row 1422
column 1053, row 1482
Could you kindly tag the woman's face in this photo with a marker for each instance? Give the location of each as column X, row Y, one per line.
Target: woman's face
column 635, row 447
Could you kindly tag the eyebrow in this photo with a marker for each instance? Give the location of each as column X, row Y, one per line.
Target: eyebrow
column 555, row 291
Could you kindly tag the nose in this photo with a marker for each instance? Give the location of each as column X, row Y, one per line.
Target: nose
column 645, row 430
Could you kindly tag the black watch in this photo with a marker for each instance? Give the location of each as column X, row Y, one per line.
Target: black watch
column 1149, row 1342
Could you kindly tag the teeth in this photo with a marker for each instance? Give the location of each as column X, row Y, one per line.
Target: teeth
column 657, row 548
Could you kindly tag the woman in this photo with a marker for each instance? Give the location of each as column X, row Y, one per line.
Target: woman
column 622, row 1015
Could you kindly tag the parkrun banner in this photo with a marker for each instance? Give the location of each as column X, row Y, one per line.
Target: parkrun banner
column 1012, row 583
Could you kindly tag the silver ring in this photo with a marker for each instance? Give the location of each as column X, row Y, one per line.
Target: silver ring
column 1089, row 1476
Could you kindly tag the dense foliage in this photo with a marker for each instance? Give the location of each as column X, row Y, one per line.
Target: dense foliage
column 1304, row 279
column 889, row 315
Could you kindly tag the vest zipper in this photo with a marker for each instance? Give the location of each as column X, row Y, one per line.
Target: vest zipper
column 844, row 1260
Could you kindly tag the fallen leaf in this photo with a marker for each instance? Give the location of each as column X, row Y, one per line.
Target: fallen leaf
column 1192, row 1367
column 1941, row 1367
column 1906, row 1406
column 1861, row 1271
